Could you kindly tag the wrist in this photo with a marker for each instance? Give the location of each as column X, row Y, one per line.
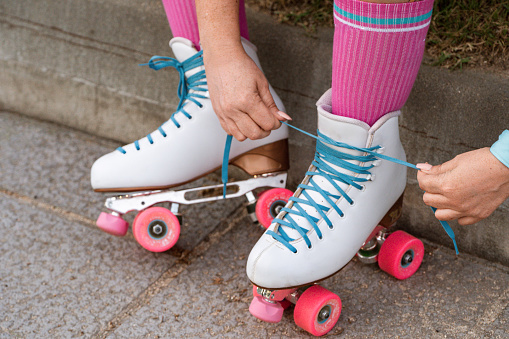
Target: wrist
column 500, row 149
column 222, row 47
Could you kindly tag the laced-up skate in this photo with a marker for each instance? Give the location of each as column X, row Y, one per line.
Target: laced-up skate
column 350, row 197
column 186, row 147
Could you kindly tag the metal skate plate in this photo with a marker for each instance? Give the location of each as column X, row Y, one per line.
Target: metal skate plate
column 139, row 201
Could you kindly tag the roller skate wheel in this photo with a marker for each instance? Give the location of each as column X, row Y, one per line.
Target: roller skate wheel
column 156, row 229
column 271, row 312
column 270, row 203
column 401, row 255
column 112, row 224
column 317, row 310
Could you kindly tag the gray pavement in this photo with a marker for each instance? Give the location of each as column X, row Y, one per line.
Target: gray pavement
column 62, row 277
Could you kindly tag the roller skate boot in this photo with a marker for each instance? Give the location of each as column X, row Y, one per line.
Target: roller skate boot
column 186, row 147
column 344, row 206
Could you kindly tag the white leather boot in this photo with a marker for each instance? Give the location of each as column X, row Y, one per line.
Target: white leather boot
column 346, row 193
column 191, row 143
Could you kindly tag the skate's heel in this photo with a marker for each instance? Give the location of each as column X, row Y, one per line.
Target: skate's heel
column 265, row 159
column 393, row 214
column 368, row 254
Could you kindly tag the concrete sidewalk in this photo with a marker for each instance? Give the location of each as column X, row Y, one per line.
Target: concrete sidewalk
column 61, row 277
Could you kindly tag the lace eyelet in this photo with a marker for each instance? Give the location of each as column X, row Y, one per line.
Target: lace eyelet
column 353, row 203
column 363, row 188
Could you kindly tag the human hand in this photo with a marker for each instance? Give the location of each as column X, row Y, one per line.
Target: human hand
column 468, row 188
column 240, row 94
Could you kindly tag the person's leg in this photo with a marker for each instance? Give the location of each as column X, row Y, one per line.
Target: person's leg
column 377, row 52
column 181, row 16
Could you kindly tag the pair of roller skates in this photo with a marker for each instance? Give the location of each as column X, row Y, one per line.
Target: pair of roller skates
column 338, row 208
column 186, row 147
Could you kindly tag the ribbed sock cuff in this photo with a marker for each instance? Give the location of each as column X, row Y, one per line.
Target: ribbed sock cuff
column 383, row 17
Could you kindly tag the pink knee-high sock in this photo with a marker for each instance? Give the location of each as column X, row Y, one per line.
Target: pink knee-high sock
column 183, row 22
column 377, row 53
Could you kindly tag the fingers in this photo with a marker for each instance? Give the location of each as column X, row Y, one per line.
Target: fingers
column 468, row 220
column 231, row 128
column 262, row 110
column 272, row 112
column 447, row 214
column 429, row 182
column 434, row 179
column 250, row 128
column 437, row 200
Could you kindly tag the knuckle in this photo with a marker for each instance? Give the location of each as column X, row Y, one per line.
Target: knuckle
column 256, row 135
column 448, row 188
column 227, row 108
column 239, row 136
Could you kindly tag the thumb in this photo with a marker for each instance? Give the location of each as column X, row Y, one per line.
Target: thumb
column 433, row 170
column 269, row 102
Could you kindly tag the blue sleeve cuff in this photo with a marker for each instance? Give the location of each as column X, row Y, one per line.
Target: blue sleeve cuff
column 500, row 149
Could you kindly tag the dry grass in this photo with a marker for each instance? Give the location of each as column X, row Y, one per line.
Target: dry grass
column 462, row 32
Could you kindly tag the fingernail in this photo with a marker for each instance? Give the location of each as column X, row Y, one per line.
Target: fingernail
column 284, row 115
column 424, row 167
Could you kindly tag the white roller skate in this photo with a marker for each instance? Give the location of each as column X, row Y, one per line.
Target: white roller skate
column 345, row 203
column 186, row 147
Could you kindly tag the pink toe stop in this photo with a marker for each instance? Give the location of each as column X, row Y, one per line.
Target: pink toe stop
column 112, row 224
column 265, row 310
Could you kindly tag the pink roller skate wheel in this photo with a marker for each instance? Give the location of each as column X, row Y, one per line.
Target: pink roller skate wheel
column 401, row 255
column 266, row 311
column 270, row 203
column 317, row 310
column 156, row 229
column 112, row 224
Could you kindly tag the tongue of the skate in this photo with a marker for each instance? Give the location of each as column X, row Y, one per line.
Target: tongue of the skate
column 184, row 49
column 347, row 131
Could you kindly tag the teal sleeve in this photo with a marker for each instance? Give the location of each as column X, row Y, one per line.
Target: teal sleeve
column 500, row 149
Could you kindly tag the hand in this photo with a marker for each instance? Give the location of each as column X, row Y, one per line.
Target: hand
column 240, row 94
column 468, row 188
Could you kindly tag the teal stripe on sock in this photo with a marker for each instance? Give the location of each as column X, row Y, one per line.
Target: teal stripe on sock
column 380, row 21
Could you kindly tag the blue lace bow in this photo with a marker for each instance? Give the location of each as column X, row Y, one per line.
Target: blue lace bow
column 188, row 88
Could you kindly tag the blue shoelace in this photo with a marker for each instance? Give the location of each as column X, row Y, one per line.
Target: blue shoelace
column 324, row 156
column 193, row 83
